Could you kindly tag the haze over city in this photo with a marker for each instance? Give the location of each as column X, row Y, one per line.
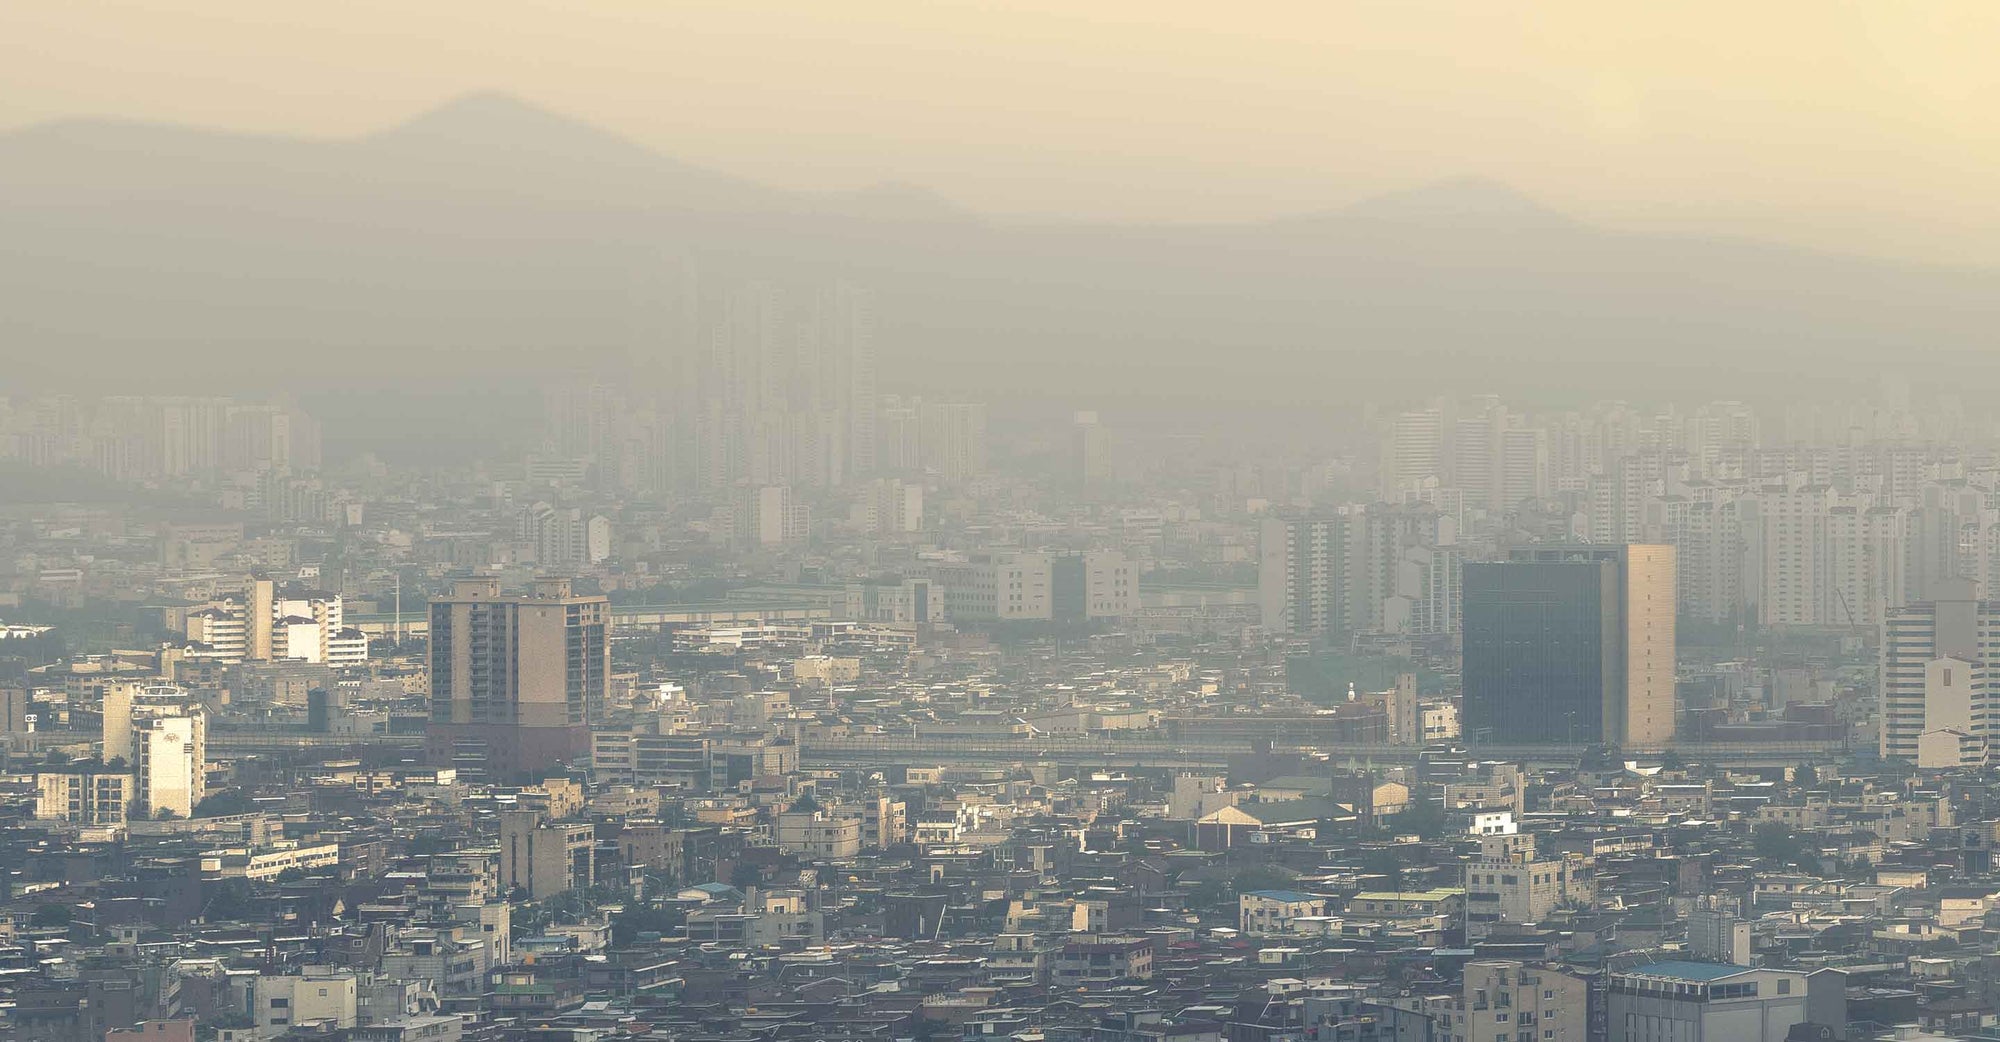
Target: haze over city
column 873, row 522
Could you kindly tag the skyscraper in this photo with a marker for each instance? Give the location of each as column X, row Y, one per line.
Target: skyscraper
column 1302, row 574
column 1413, row 452
column 1571, row 644
column 162, row 738
column 1091, row 449
column 515, row 678
column 1386, row 568
column 952, row 440
column 1936, row 689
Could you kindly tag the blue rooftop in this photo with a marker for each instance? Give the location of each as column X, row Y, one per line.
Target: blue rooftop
column 1688, row 971
column 1281, row 895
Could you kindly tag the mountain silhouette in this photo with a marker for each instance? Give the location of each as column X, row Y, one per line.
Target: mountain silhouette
column 493, row 244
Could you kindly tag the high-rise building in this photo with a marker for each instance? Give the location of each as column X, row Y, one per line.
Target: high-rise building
column 544, row 858
column 770, row 515
column 565, row 538
column 1413, row 452
column 951, row 440
column 169, row 764
column 848, row 330
column 1388, row 568
column 1936, row 688
column 898, row 434
column 889, row 506
column 17, row 699
column 1090, row 449
column 515, row 678
column 1302, row 574
column 1096, row 584
column 1571, row 644
column 310, row 626
column 162, row 738
column 266, row 622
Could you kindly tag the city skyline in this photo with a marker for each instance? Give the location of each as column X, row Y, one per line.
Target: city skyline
column 879, row 522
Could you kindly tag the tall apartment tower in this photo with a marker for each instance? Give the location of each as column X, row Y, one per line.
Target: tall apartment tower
column 515, row 678
column 1571, row 644
column 850, row 335
column 1090, row 449
column 1413, row 451
column 951, row 440
column 1936, row 688
column 1302, row 568
column 162, row 738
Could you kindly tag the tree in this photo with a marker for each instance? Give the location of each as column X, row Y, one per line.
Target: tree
column 223, row 804
column 1773, row 841
column 52, row 915
column 1383, row 861
column 1222, row 891
column 627, row 925
column 1671, row 761
column 1424, row 817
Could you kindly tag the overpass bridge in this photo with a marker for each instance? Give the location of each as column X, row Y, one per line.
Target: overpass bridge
column 1134, row 753
column 626, row 619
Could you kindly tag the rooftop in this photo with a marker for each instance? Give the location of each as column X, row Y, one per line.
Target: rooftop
column 1699, row 972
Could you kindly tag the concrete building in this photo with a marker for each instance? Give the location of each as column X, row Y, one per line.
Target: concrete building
column 1413, row 452
column 889, row 506
column 818, row 833
column 1717, row 932
column 951, row 440
column 163, row 738
column 310, row 626
column 278, row 1005
column 1707, row 1002
column 1571, row 644
column 1935, row 685
column 1302, row 574
column 909, row 600
column 1500, row 1000
column 770, row 515
column 515, row 678
column 84, row 799
column 1090, row 449
column 545, row 858
column 1264, row 912
column 995, row 585
column 564, row 538
column 1386, row 568
column 1508, row 883
column 1096, row 584
column 169, row 764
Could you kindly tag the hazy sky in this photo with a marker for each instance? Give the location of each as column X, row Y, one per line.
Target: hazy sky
column 1861, row 126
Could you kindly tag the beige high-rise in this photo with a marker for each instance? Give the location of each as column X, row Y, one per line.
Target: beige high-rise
column 515, row 678
column 1645, row 720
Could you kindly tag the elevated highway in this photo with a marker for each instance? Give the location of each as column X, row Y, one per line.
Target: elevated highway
column 1140, row 753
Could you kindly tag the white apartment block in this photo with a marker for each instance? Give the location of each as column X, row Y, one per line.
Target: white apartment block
column 169, row 760
column 1936, row 688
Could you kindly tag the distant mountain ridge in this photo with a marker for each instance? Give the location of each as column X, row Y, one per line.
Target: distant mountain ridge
column 490, row 242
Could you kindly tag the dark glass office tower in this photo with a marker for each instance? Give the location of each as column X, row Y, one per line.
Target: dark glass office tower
column 1570, row 645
